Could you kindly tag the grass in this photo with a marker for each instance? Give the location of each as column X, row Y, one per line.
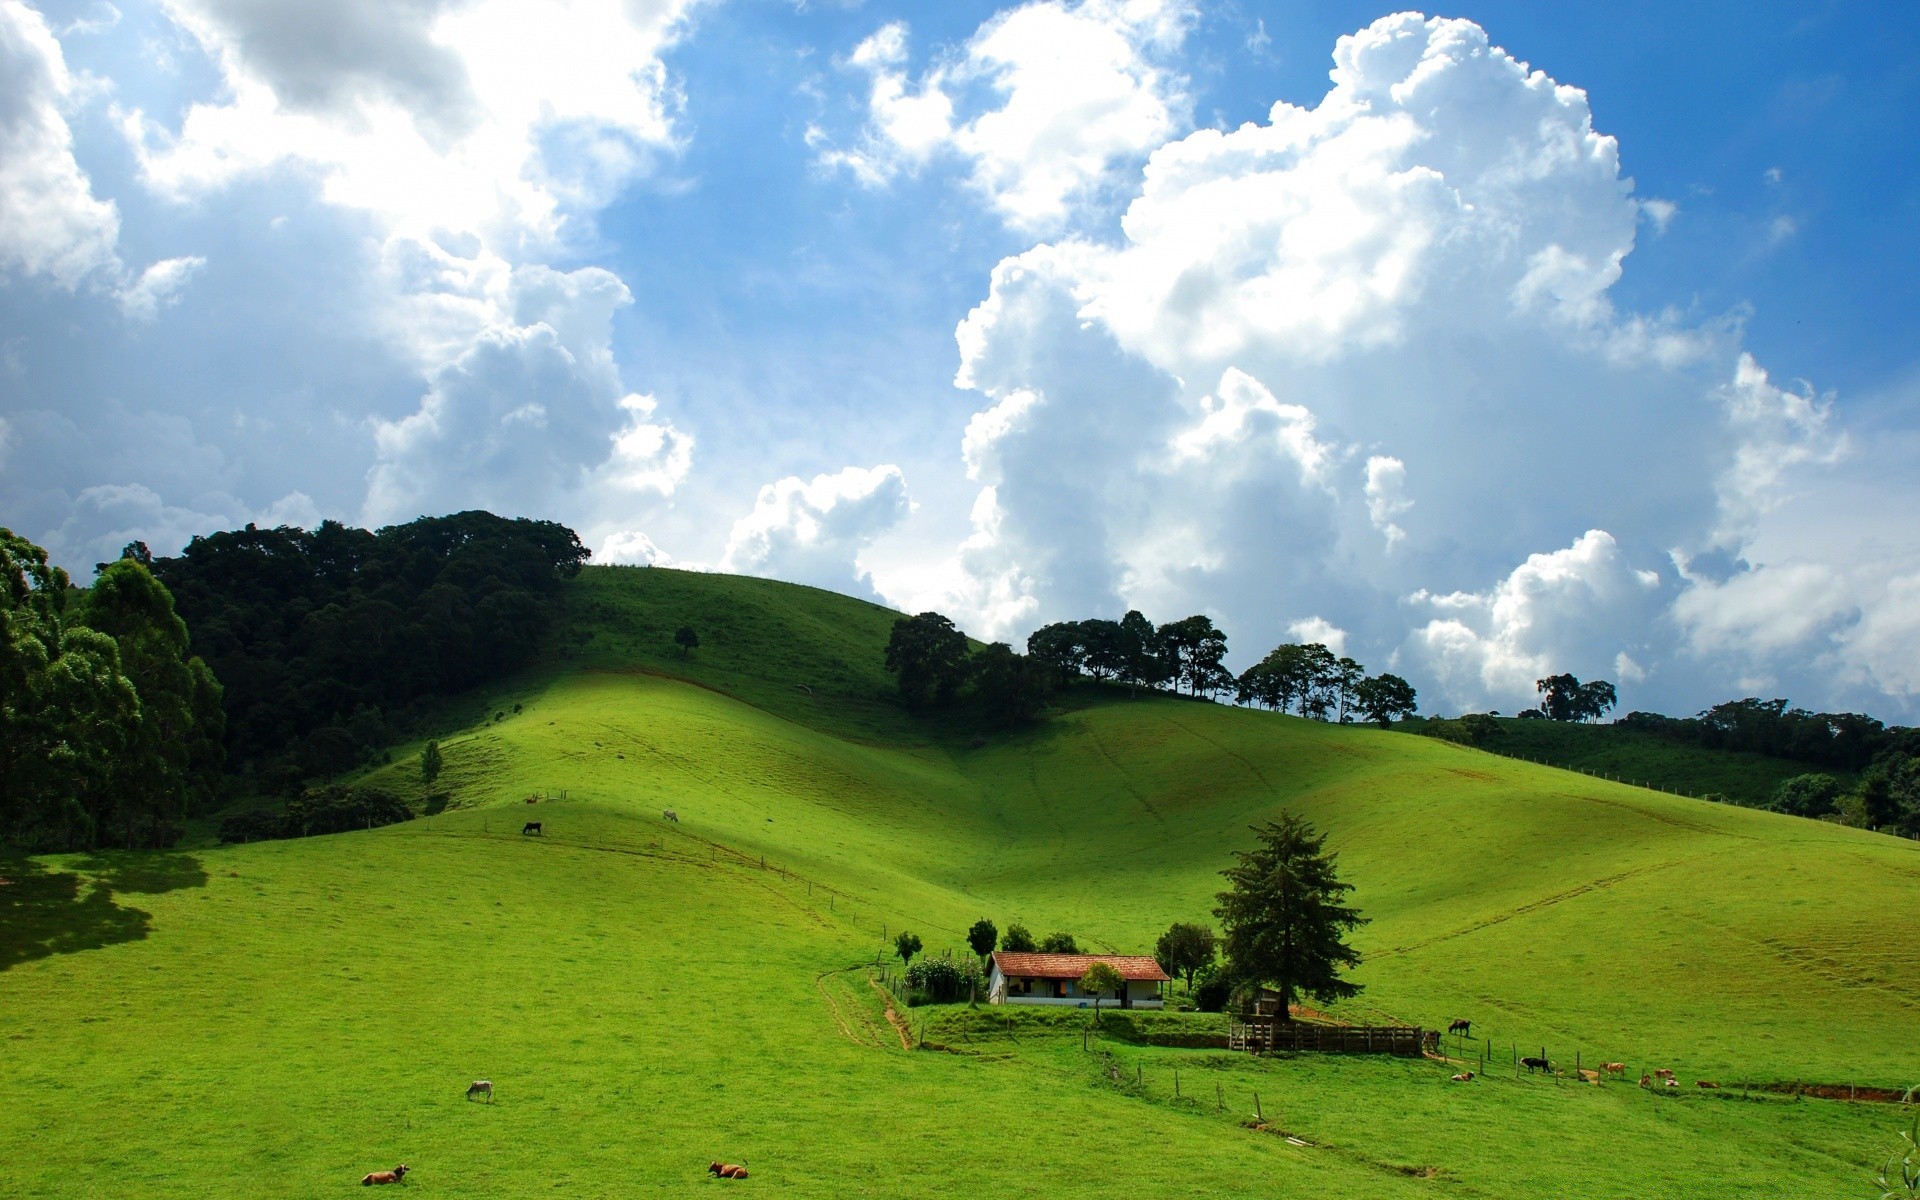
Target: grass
column 280, row 1018
column 1630, row 754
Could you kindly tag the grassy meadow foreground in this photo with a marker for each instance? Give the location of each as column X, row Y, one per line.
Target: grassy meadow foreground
column 278, row 1019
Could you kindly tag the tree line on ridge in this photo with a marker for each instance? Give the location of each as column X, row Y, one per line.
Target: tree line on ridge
column 935, row 666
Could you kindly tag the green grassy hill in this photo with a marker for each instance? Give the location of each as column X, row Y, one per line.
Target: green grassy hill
column 278, row 1019
column 1631, row 754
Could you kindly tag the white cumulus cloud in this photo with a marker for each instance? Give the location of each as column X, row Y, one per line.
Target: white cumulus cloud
column 812, row 531
column 1071, row 92
column 1579, row 609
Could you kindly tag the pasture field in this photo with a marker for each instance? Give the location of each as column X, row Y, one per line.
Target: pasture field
column 1631, row 754
column 280, row 1018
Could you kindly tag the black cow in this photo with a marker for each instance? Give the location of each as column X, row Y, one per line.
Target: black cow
column 1533, row 1064
column 532, row 827
column 1463, row 1028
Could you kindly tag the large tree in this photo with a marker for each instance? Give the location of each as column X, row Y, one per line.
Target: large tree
column 1012, row 687
column 1284, row 916
column 1058, row 646
column 1185, row 949
column 174, row 764
column 1141, row 653
column 1383, row 697
column 1195, row 649
column 930, row 657
column 107, row 733
column 981, row 937
column 1565, row 698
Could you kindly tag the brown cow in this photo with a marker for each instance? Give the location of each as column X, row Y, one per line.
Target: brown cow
column 1662, row 1073
column 721, row 1170
column 1614, row 1068
column 1587, row 1076
column 393, row 1176
column 1646, row 1080
column 1463, row 1077
column 1703, row 1083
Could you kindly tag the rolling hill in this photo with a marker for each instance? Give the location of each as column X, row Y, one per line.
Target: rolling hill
column 279, row 1018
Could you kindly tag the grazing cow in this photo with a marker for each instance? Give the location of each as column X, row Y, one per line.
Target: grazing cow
column 1703, row 1083
column 1646, row 1080
column 1463, row 1028
column 1462, row 1077
column 1536, row 1063
column 393, row 1176
column 531, row 827
column 481, row 1087
column 667, row 814
column 1614, row 1068
column 721, row 1170
column 1587, row 1076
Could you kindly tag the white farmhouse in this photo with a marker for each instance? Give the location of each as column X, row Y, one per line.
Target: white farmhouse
column 1055, row 979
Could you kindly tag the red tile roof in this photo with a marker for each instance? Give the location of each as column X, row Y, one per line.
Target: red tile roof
column 1016, row 965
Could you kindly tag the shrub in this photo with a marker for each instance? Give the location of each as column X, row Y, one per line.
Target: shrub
column 1016, row 940
column 1210, row 994
column 943, row 981
column 1059, row 943
column 330, row 809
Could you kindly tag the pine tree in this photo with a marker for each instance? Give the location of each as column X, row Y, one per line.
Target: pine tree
column 1284, row 917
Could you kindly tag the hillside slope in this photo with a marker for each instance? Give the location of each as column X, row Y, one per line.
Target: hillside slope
column 648, row 995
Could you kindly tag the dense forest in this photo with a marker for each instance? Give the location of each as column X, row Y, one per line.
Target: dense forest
column 110, row 728
column 326, row 639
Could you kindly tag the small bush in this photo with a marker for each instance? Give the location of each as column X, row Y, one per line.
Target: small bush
column 943, row 981
column 1210, row 994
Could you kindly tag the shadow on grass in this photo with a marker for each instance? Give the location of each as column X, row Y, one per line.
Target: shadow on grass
column 44, row 912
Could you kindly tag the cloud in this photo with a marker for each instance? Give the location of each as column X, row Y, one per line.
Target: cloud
column 1387, row 496
column 632, row 548
column 1413, row 279
column 158, row 286
column 1579, row 609
column 1321, row 630
column 1776, row 430
column 1041, row 104
column 477, row 140
column 107, row 517
column 51, row 224
column 1659, row 213
column 522, row 420
column 431, row 114
column 813, row 531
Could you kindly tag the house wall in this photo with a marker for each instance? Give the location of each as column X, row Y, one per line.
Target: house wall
column 1001, row 990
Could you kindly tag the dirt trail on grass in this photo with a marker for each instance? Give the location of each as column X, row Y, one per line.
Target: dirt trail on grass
column 893, row 1016
column 850, row 1015
column 1537, row 905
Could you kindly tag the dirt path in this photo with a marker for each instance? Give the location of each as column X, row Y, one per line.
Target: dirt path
column 893, row 1017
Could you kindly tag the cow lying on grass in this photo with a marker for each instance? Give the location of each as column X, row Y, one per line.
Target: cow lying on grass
column 393, row 1176
column 1462, row 1077
column 721, row 1170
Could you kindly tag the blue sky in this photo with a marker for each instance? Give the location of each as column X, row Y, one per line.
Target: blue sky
column 1022, row 312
